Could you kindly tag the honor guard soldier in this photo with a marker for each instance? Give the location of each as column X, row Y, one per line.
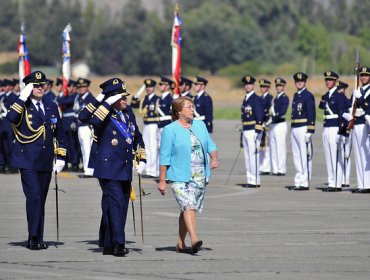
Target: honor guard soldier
column 36, row 122
column 164, row 105
column 49, row 94
column 3, row 113
column 203, row 103
column 70, row 107
column 84, row 132
column 185, row 87
column 148, row 110
column 278, row 129
column 303, row 126
column 117, row 136
column 265, row 160
column 347, row 145
column 16, row 87
column 252, row 118
column 6, row 134
column 360, row 135
column 334, row 133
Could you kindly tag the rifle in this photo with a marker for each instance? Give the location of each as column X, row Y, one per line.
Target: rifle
column 351, row 123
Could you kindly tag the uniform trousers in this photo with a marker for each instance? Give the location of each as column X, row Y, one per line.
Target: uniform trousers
column 265, row 159
column 72, row 147
column 85, row 138
column 362, row 155
column 115, row 201
column 35, row 187
column 333, row 156
column 251, row 157
column 299, row 147
column 7, row 138
column 151, row 149
column 278, row 133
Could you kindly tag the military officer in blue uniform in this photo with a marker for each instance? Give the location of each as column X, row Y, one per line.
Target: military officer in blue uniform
column 84, row 131
column 164, row 105
column 303, row 126
column 148, row 110
column 360, row 136
column 203, row 103
column 70, row 106
column 265, row 159
column 36, row 122
column 278, row 129
column 117, row 137
column 252, row 115
column 3, row 113
column 334, row 133
column 6, row 134
column 185, row 87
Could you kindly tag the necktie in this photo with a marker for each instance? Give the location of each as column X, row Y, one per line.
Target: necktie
column 39, row 109
column 119, row 113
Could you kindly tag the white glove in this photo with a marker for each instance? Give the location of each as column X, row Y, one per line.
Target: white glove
column 58, row 165
column 347, row 116
column 357, row 93
column 26, row 92
column 112, row 99
column 367, row 117
column 140, row 167
column 307, row 137
column 100, row 97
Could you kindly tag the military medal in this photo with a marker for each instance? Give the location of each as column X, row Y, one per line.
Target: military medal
column 114, row 142
column 128, row 140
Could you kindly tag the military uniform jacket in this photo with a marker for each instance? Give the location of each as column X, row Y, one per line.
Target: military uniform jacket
column 34, row 147
column 82, row 103
column 147, row 108
column 280, row 103
column 164, row 106
column 69, row 116
column 204, row 108
column 114, row 152
column 267, row 102
column 187, row 94
column 363, row 105
column 303, row 110
column 252, row 113
column 8, row 99
column 49, row 96
column 334, row 106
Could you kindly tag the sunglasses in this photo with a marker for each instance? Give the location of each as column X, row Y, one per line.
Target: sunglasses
column 38, row 85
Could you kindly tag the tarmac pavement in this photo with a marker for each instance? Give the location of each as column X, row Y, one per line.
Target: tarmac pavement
column 264, row 233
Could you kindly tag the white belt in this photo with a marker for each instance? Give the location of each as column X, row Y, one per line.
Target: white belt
column 359, row 112
column 165, row 118
column 72, row 114
column 200, row 118
column 330, row 117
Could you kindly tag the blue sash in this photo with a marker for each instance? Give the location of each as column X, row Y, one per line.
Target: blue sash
column 124, row 130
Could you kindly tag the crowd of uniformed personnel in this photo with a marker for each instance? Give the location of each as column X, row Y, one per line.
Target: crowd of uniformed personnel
column 89, row 131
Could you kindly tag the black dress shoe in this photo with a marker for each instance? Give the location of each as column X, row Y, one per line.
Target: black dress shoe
column 281, row 174
column 264, row 173
column 43, row 245
column 107, row 251
column 252, row 186
column 301, row 188
column 185, row 250
column 33, row 245
column 196, row 246
column 361, row 191
column 85, row 176
column 120, row 250
column 331, row 189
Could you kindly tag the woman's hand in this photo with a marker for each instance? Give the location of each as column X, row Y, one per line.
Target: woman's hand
column 214, row 163
column 162, row 187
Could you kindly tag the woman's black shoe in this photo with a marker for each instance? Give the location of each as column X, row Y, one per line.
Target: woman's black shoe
column 196, row 246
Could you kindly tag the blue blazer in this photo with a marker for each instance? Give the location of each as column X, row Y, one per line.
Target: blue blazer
column 38, row 154
column 175, row 149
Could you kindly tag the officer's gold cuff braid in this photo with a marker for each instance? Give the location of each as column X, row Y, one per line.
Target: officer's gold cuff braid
column 18, row 108
column 142, row 111
column 258, row 127
column 101, row 112
column 60, row 152
column 311, row 127
column 140, row 154
column 26, row 139
column 91, row 108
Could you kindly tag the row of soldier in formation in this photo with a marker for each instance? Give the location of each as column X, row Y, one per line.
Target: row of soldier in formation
column 346, row 123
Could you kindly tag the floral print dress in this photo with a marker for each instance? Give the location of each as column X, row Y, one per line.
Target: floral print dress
column 190, row 195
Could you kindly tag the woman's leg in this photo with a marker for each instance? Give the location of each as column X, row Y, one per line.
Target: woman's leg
column 182, row 232
column 190, row 222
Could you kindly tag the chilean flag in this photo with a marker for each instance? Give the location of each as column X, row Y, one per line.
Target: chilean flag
column 66, row 67
column 24, row 62
column 176, row 50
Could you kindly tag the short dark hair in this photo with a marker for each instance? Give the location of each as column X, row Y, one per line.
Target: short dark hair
column 178, row 104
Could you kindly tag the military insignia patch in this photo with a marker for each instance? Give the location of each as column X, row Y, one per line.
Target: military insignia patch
column 38, row 75
column 115, row 81
column 114, row 142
